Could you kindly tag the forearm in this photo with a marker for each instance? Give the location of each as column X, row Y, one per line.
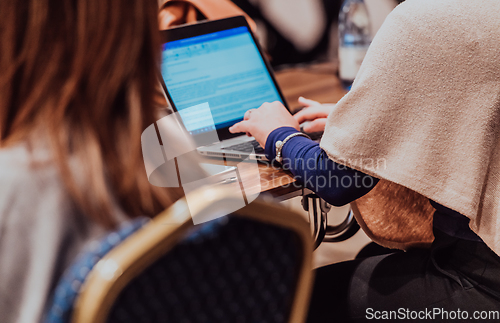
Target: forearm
column 310, row 165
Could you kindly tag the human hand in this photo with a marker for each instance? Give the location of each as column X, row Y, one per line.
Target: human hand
column 315, row 112
column 260, row 122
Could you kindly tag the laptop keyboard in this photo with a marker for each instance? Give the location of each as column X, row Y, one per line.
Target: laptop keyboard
column 247, row 147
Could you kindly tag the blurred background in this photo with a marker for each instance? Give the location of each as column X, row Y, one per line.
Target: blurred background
column 304, row 31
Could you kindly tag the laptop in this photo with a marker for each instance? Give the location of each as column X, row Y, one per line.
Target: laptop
column 218, row 62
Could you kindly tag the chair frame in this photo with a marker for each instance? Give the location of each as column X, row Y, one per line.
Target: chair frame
column 125, row 262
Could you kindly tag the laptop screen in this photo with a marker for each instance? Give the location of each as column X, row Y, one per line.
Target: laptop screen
column 223, row 68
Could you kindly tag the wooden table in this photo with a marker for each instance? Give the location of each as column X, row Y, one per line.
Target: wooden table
column 317, row 82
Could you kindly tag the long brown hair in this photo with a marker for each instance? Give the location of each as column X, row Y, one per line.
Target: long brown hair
column 84, row 71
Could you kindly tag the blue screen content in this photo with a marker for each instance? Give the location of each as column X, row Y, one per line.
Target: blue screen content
column 224, row 69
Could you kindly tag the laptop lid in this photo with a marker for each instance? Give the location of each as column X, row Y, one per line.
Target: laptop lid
column 218, row 62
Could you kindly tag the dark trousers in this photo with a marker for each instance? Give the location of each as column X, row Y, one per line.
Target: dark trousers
column 454, row 281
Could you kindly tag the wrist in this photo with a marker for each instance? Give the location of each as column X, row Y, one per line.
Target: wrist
column 278, row 134
column 281, row 143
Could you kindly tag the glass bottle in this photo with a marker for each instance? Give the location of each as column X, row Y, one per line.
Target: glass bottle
column 354, row 39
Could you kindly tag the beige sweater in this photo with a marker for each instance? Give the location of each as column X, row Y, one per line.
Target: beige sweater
column 40, row 235
column 424, row 113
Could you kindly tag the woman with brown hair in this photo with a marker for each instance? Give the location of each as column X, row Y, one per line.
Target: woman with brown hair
column 77, row 85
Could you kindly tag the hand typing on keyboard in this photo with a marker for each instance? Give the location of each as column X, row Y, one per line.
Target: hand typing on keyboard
column 260, row 122
column 315, row 114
